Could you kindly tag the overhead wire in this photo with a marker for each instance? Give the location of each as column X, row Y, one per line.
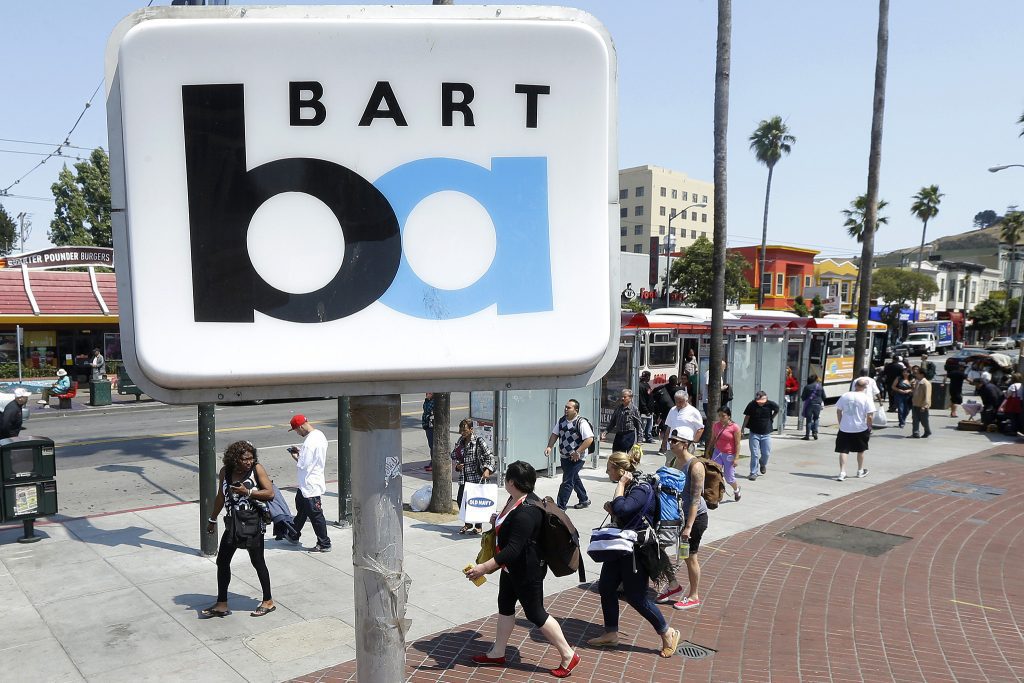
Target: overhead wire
column 44, row 144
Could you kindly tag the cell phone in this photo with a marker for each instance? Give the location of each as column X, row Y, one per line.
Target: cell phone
column 292, row 449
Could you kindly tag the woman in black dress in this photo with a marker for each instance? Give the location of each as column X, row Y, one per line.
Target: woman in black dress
column 517, row 530
column 955, row 375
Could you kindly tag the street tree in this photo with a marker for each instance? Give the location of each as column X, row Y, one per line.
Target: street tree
column 82, row 198
column 800, row 307
column 817, row 307
column 896, row 287
column 989, row 315
column 854, row 224
column 723, row 57
column 924, row 208
column 692, row 276
column 867, row 253
column 8, row 232
column 1011, row 231
column 986, row 218
column 769, row 142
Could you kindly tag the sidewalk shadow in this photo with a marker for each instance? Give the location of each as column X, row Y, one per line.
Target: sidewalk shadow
column 197, row 602
column 141, row 471
column 133, row 536
column 812, row 475
column 450, row 648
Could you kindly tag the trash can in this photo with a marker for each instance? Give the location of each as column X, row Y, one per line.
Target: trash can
column 28, row 485
column 940, row 397
column 99, row 392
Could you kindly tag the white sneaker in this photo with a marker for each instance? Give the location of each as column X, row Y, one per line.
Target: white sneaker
column 862, row 473
column 841, row 477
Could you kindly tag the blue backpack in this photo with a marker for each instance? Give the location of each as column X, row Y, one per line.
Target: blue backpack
column 672, row 483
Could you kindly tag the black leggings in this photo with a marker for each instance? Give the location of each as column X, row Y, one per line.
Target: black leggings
column 530, row 595
column 224, row 555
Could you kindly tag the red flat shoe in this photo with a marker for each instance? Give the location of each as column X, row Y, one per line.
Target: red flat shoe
column 484, row 659
column 564, row 671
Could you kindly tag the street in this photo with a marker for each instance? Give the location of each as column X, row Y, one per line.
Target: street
column 132, row 456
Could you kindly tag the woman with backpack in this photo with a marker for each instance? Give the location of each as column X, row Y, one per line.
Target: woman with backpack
column 517, row 532
column 813, row 397
column 634, row 499
column 244, row 486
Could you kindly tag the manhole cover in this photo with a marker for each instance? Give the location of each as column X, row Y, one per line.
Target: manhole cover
column 852, row 539
column 694, row 651
column 960, row 489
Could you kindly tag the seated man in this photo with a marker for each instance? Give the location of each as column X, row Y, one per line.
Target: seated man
column 61, row 386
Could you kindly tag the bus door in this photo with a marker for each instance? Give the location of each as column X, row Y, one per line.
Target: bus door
column 797, row 359
column 690, row 342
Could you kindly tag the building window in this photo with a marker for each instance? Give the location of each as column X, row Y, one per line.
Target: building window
column 675, row 194
column 623, row 212
column 942, row 286
column 686, row 197
column 661, row 210
column 638, row 230
column 675, row 231
column 693, row 234
column 794, row 286
column 623, row 194
column 703, row 233
column 661, row 229
column 623, row 229
column 625, row 248
column 807, row 281
column 844, row 292
column 663, row 191
column 639, row 192
column 638, row 248
column 638, row 211
column 693, row 215
column 766, row 283
column 951, row 296
column 703, row 218
column 705, row 199
column 780, row 282
column 974, row 291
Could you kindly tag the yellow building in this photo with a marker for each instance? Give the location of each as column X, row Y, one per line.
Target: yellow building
column 648, row 198
column 839, row 277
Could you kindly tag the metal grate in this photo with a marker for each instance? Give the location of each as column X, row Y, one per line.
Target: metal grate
column 959, row 489
column 694, row 651
column 851, row 539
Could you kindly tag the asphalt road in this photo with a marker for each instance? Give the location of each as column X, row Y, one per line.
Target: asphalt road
column 143, row 455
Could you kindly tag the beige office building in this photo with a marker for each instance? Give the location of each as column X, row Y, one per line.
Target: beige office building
column 649, row 196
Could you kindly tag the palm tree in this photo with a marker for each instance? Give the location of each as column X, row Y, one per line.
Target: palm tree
column 1021, row 122
column 854, row 225
column 769, row 142
column 1011, row 232
column 925, row 207
column 723, row 52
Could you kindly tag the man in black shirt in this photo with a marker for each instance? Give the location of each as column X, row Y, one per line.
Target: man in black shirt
column 991, row 398
column 759, row 418
column 893, row 370
column 646, row 405
column 10, row 423
column 927, row 367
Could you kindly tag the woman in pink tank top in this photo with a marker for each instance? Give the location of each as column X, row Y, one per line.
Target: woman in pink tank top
column 726, row 439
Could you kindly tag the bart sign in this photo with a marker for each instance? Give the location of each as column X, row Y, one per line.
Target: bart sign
column 363, row 200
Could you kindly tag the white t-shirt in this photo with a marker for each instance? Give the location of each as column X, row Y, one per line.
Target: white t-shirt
column 687, row 417
column 856, row 407
column 311, row 463
column 872, row 388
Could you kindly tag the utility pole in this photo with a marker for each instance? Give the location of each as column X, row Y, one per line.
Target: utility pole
column 24, row 230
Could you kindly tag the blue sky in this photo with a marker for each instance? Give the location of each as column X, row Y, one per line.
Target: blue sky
column 954, row 93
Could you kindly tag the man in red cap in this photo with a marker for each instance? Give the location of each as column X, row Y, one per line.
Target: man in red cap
column 311, row 459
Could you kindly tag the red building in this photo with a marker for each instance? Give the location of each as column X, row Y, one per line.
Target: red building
column 787, row 271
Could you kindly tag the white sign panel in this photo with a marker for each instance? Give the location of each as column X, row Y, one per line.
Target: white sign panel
column 362, row 200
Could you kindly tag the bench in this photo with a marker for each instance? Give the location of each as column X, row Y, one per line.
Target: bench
column 65, row 399
column 126, row 386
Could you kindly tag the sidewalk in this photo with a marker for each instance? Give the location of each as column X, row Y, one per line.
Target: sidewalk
column 115, row 597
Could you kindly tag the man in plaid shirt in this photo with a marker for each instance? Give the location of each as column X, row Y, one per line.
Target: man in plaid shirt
column 474, row 462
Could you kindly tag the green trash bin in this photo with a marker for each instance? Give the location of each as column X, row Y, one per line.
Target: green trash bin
column 99, row 392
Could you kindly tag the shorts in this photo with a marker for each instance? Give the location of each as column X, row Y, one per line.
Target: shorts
column 700, row 525
column 852, row 442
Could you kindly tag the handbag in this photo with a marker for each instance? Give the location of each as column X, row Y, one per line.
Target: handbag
column 609, row 543
column 246, row 528
column 486, row 547
column 479, row 502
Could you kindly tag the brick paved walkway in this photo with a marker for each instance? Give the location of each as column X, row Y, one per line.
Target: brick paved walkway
column 947, row 604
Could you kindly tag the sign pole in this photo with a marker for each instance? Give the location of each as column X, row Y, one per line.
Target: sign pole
column 380, row 584
column 344, row 464
column 17, row 342
column 207, row 475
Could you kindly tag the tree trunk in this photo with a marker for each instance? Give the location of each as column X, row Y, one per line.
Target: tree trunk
column 920, row 255
column 440, row 458
column 871, row 208
column 764, row 239
column 723, row 53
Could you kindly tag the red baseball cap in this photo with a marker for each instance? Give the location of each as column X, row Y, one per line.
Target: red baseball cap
column 298, row 421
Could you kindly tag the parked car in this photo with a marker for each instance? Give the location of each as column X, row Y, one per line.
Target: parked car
column 1001, row 343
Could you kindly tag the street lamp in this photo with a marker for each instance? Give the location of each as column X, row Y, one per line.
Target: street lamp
column 1020, row 300
column 668, row 245
column 995, row 169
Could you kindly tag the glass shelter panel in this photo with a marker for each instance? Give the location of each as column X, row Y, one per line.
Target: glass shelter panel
column 742, row 375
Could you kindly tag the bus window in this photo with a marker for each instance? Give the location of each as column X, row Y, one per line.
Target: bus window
column 850, row 349
column 663, row 355
column 835, row 345
column 817, row 349
column 878, row 347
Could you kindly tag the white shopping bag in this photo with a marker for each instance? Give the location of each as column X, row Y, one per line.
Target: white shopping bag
column 479, row 502
column 879, row 419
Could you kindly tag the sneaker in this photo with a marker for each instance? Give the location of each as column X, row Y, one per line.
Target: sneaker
column 764, row 469
column 581, row 505
column 293, row 541
column 736, row 495
column 815, row 436
column 862, row 473
column 428, row 468
column 752, row 477
column 841, row 477
column 648, row 440
column 805, row 438
column 320, row 549
column 662, row 451
column 667, row 597
column 561, row 507
column 42, row 403
column 688, row 603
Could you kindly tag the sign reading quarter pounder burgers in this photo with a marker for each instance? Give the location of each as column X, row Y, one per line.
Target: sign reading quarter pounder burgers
column 363, row 200
column 58, row 257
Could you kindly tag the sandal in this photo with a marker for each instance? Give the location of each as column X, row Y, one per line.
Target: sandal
column 464, row 530
column 210, row 612
column 262, row 611
column 477, row 532
column 669, row 651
